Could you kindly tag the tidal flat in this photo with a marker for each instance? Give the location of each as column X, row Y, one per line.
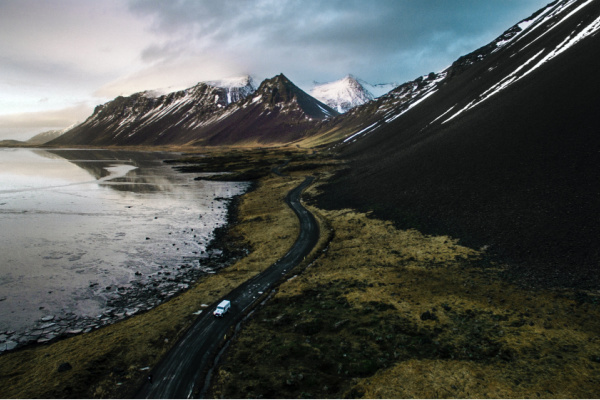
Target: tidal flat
column 89, row 237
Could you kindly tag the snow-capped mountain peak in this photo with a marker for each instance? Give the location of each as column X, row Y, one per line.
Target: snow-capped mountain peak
column 342, row 95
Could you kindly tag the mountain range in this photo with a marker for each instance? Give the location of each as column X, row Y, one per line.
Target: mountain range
column 500, row 149
column 209, row 114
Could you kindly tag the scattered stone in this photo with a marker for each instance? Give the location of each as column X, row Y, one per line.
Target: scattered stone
column 11, row 345
column 47, row 318
column 23, row 340
column 64, row 367
column 131, row 312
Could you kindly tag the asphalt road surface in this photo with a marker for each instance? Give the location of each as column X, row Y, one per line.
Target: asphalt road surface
column 181, row 374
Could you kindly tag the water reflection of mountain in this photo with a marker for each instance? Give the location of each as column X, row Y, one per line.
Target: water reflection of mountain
column 144, row 179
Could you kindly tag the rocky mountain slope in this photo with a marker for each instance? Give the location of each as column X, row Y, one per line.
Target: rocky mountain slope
column 499, row 150
column 210, row 113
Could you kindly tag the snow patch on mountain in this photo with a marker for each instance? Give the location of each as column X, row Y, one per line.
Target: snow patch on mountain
column 236, row 82
column 237, row 88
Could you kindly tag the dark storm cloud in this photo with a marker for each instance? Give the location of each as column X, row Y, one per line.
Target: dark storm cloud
column 339, row 34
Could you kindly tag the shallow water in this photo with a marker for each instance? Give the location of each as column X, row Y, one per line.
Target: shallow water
column 78, row 226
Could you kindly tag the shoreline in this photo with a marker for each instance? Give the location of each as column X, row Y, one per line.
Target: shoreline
column 140, row 295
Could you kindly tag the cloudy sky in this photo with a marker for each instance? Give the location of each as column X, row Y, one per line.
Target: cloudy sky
column 61, row 58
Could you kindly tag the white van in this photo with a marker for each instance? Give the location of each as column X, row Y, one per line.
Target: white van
column 222, row 308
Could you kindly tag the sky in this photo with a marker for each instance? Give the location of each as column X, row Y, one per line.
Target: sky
column 61, row 58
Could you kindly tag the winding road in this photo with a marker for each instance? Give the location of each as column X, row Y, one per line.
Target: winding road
column 181, row 374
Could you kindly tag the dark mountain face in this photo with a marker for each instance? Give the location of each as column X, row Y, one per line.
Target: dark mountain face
column 277, row 112
column 501, row 150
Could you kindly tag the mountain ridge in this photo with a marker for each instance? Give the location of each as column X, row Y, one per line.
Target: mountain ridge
column 202, row 115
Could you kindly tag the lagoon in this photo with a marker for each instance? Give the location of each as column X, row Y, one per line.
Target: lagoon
column 84, row 232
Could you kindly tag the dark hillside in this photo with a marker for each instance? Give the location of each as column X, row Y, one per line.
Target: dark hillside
column 519, row 173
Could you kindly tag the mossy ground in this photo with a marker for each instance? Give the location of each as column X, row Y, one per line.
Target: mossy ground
column 386, row 313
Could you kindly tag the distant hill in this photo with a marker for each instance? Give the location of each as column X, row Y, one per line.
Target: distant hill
column 500, row 150
column 12, row 143
column 45, row 137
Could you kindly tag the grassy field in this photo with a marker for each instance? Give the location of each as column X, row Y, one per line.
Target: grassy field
column 386, row 313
